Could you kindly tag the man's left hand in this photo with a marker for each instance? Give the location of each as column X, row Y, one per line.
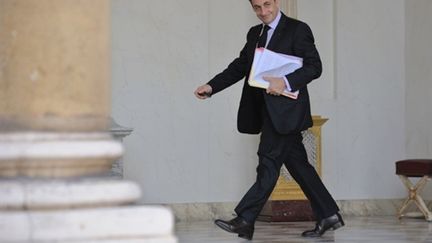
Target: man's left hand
column 276, row 85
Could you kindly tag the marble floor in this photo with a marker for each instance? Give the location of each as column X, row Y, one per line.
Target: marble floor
column 357, row 229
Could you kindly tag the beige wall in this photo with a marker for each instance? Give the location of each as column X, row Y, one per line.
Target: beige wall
column 366, row 130
column 418, row 78
column 419, row 81
column 185, row 150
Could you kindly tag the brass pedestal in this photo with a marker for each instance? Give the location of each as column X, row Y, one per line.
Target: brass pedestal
column 287, row 201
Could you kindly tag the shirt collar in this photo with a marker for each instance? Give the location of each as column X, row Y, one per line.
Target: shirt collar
column 275, row 22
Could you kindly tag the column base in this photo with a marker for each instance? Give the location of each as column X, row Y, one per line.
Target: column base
column 56, row 154
column 80, row 210
column 116, row 224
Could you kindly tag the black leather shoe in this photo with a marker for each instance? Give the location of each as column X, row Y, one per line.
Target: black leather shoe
column 237, row 225
column 333, row 222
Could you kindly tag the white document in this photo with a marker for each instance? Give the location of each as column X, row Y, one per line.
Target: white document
column 267, row 63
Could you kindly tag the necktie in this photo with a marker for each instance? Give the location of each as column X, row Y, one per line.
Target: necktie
column 263, row 38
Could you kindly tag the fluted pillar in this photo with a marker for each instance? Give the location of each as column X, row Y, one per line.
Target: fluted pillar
column 54, row 130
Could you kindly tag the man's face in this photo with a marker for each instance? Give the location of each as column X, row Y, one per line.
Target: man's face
column 266, row 10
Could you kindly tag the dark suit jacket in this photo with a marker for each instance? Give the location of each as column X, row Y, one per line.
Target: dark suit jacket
column 290, row 37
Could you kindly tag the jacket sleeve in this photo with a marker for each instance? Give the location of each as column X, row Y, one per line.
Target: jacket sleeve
column 235, row 71
column 304, row 47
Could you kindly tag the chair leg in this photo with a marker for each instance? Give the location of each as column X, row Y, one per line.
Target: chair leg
column 405, row 204
column 423, row 208
column 419, row 200
column 414, row 195
column 407, row 201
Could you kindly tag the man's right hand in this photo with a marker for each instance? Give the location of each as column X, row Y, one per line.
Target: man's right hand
column 203, row 91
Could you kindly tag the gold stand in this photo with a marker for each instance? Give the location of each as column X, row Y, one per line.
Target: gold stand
column 287, row 201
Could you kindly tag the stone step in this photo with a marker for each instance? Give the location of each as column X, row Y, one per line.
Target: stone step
column 115, row 224
column 57, row 194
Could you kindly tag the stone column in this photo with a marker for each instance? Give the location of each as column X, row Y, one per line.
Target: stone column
column 54, row 130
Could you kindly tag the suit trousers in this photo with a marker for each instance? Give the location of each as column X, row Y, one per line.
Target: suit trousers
column 274, row 151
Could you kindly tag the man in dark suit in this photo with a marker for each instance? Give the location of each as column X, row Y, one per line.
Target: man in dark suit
column 279, row 119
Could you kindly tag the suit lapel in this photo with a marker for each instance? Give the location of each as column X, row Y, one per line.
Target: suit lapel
column 277, row 34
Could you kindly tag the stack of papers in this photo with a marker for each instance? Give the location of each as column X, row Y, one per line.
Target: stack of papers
column 267, row 63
